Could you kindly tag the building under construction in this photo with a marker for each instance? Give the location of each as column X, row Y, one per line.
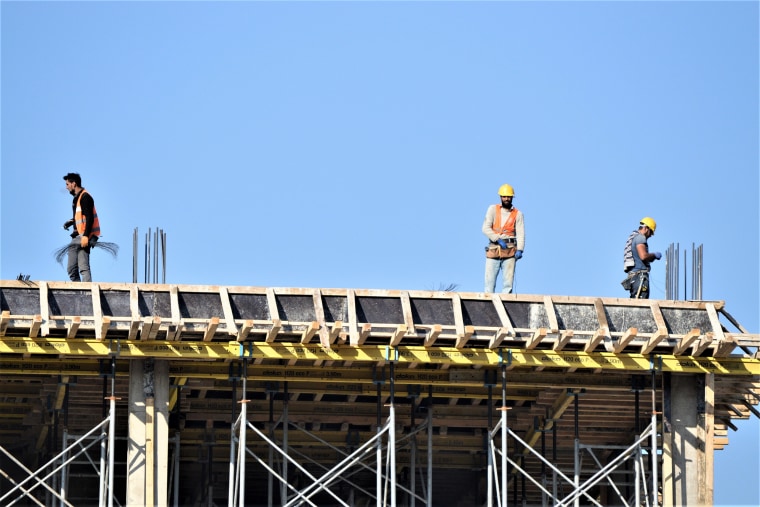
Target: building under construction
column 174, row 395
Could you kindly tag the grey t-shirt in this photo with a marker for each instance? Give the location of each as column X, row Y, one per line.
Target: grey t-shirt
column 638, row 264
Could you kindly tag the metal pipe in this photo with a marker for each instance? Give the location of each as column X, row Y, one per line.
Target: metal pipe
column 241, row 445
column 489, row 455
column 430, row 448
column 379, row 448
column 504, row 434
column 655, row 460
column 285, row 425
column 392, row 436
column 576, row 452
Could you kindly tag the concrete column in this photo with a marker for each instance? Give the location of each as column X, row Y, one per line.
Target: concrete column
column 148, row 426
column 684, row 470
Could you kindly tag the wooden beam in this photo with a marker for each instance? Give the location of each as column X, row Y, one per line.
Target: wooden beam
column 335, row 332
column 551, row 315
column 353, row 324
column 72, row 328
column 245, row 330
column 662, row 329
column 229, row 316
column 538, row 335
column 5, row 319
column 44, row 309
column 273, row 331
column 319, row 311
column 398, row 335
column 564, row 339
column 134, row 310
column 464, row 337
column 432, row 335
column 309, row 332
column 213, row 323
column 624, row 340
column 595, row 340
column 686, row 342
column 406, row 310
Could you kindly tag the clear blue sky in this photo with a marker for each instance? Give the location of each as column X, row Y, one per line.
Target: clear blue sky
column 353, row 144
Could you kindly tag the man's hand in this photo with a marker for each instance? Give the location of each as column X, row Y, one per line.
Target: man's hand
column 518, row 255
column 502, row 243
column 84, row 242
column 657, row 255
column 68, row 223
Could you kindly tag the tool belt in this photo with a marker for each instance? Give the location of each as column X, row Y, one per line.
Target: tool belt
column 494, row 251
column 629, row 280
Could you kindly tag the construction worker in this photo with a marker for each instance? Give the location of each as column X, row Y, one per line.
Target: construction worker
column 637, row 257
column 86, row 229
column 505, row 230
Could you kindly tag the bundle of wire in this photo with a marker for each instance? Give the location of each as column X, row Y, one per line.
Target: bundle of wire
column 63, row 252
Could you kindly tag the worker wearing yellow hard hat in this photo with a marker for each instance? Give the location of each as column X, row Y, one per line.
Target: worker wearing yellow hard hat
column 505, row 229
column 637, row 259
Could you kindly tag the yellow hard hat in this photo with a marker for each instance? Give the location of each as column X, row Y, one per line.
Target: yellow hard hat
column 649, row 222
column 506, row 190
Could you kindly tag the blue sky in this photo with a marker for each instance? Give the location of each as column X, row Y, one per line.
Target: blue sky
column 358, row 144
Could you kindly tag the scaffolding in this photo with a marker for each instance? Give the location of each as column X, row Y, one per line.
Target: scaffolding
column 570, row 367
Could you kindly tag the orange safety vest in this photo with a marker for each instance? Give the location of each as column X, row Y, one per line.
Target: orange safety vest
column 509, row 226
column 81, row 220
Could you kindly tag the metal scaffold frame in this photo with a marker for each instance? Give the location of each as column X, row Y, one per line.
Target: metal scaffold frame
column 60, row 462
column 498, row 476
column 386, row 485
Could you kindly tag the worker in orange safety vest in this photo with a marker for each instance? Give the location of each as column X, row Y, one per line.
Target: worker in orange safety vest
column 505, row 229
column 86, row 229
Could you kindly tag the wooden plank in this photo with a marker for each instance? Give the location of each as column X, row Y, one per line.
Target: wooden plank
column 73, row 328
column 706, row 437
column 5, row 319
column 406, row 309
column 465, row 337
column 309, row 332
column 44, row 309
column 498, row 305
column 229, row 316
column 245, row 330
column 624, row 340
column 538, row 335
column 134, row 309
column 274, row 312
column 551, row 315
column 319, row 311
column 686, row 342
column 604, row 326
column 273, row 331
column 97, row 311
column 34, row 330
column 702, row 344
column 353, row 324
column 595, row 340
column 717, row 329
column 456, row 303
column 398, row 335
column 213, row 323
column 335, row 332
column 432, row 335
column 500, row 335
column 662, row 329
column 564, row 339
column 176, row 317
column 150, row 327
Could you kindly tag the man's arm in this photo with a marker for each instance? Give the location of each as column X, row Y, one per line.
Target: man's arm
column 488, row 225
column 520, row 231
